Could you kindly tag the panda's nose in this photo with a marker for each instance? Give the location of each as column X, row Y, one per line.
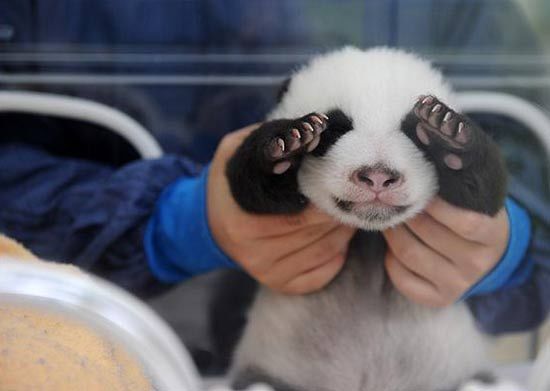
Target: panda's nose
column 377, row 178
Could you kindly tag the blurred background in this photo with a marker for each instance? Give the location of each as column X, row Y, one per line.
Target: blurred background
column 190, row 71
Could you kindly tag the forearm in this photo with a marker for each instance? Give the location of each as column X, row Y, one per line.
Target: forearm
column 518, row 289
column 178, row 240
column 515, row 265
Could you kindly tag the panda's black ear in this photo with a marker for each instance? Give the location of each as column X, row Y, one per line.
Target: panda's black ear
column 283, row 89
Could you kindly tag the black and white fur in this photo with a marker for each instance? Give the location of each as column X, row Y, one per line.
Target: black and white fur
column 349, row 122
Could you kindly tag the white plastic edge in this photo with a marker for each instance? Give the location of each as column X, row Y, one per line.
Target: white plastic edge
column 539, row 379
column 107, row 309
column 85, row 110
column 508, row 105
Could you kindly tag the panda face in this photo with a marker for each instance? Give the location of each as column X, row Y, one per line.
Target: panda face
column 366, row 172
column 368, row 179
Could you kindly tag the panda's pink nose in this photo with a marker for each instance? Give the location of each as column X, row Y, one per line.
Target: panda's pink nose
column 377, row 178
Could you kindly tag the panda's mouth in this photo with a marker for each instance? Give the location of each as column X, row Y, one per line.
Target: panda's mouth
column 372, row 210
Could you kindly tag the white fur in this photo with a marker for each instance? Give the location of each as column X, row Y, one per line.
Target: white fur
column 354, row 335
column 376, row 88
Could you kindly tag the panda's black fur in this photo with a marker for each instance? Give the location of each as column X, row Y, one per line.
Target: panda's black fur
column 342, row 117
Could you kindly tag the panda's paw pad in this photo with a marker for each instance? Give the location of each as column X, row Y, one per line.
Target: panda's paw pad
column 301, row 137
column 442, row 128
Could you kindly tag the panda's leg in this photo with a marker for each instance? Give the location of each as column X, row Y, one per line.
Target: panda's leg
column 262, row 173
column 470, row 168
column 251, row 376
column 483, row 381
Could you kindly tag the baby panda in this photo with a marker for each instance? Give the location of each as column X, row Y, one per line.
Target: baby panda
column 369, row 137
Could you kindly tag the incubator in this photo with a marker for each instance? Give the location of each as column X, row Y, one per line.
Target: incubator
column 149, row 73
column 61, row 329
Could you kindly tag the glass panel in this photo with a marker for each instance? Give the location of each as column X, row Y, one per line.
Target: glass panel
column 190, row 71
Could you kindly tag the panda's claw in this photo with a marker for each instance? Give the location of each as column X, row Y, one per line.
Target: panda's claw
column 276, row 148
column 424, row 107
column 311, row 126
column 301, row 137
column 422, row 135
column 436, row 108
column 287, row 143
column 312, row 145
column 307, row 136
column 461, row 134
column 447, row 127
column 316, row 119
column 441, row 121
column 319, row 122
column 308, row 127
column 424, row 99
column 293, row 143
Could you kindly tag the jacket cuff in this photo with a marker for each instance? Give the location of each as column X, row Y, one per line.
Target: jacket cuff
column 515, row 266
column 178, row 241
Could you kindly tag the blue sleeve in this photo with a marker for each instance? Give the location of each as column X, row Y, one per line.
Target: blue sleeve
column 178, row 240
column 86, row 213
column 516, row 300
column 515, row 267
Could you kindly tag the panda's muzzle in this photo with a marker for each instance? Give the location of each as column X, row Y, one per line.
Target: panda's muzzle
column 370, row 210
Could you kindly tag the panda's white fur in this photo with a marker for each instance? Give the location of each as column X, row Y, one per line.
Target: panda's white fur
column 355, row 335
column 375, row 88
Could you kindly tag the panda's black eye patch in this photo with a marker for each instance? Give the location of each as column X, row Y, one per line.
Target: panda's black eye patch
column 338, row 125
column 339, row 122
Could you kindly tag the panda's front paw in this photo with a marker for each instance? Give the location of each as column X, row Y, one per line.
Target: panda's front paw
column 255, row 170
column 290, row 140
column 470, row 168
column 447, row 135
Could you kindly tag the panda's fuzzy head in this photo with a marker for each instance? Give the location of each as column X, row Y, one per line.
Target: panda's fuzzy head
column 366, row 172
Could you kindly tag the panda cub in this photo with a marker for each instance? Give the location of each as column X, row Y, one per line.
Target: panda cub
column 369, row 137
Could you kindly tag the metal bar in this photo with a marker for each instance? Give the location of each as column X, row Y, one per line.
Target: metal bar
column 524, row 82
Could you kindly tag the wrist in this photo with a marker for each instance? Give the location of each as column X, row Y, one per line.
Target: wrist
column 514, row 267
column 217, row 213
column 178, row 240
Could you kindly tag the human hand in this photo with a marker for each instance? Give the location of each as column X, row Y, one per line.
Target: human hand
column 436, row 257
column 292, row 254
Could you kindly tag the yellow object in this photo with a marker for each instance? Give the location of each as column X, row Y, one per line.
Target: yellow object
column 11, row 248
column 49, row 352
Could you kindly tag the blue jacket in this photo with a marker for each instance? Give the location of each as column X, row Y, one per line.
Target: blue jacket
column 71, row 198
